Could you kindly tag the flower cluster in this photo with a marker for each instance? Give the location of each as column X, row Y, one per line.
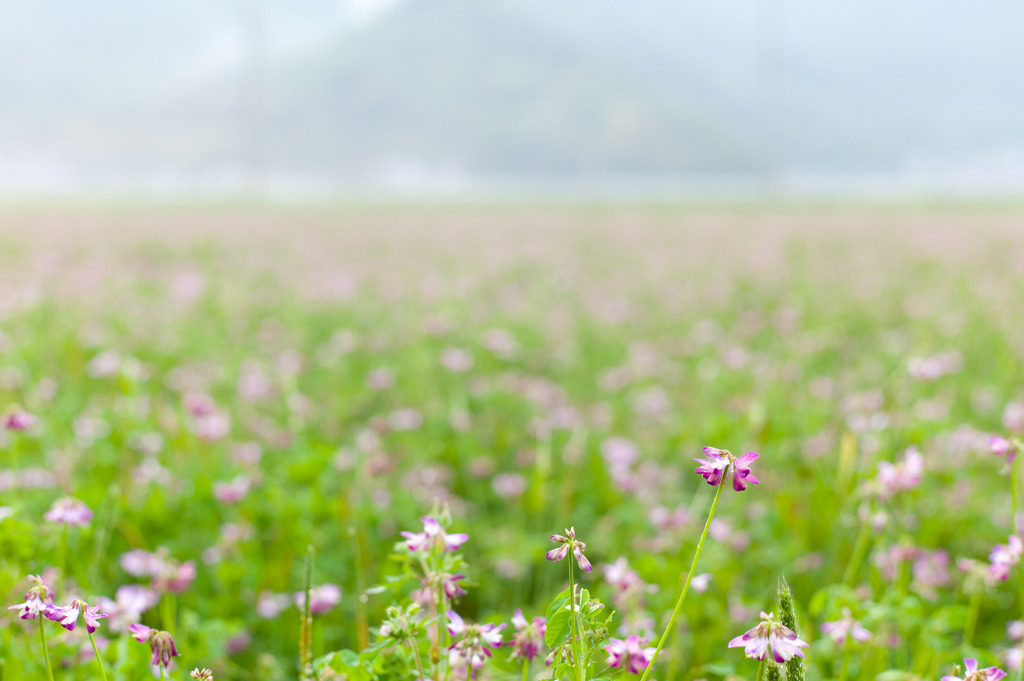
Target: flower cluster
column 528, row 638
column 161, row 644
column 972, row 673
column 631, row 653
column 847, row 627
column 433, row 536
column 569, row 543
column 474, row 644
column 1004, row 557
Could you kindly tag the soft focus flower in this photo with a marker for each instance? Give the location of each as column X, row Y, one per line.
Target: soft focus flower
column 270, row 604
column 69, row 511
column 1003, row 447
column 770, row 637
column 905, row 475
column 1004, row 557
column 569, row 543
column 130, row 601
column 17, row 419
column 839, row 630
column 38, row 600
column 322, row 599
column 232, row 491
column 433, row 535
column 474, row 644
column 629, row 653
column 721, row 463
column 160, row 644
column 201, row 674
column 528, row 638
column 972, row 673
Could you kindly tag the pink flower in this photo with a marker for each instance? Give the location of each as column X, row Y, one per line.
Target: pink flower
column 270, row 604
column 68, row 616
column 721, row 463
column 1003, row 447
column 433, row 535
column 160, row 644
column 770, row 637
column 569, row 543
column 474, row 644
column 630, row 653
column 17, row 419
column 972, row 673
column 1004, row 557
column 906, row 475
column 529, row 636
column 69, row 511
column 130, row 601
column 839, row 630
column 322, row 599
column 232, row 491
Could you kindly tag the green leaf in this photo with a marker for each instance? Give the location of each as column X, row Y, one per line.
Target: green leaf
column 557, row 629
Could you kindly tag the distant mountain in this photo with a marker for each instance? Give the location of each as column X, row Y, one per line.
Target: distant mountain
column 368, row 90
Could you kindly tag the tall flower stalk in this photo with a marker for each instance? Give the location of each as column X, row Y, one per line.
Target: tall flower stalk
column 716, row 469
column 569, row 544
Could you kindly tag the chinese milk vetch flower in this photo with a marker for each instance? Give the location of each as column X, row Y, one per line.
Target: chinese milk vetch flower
column 161, row 644
column 322, row 599
column 16, row 419
column 201, row 674
column 631, row 653
column 972, row 673
column 898, row 477
column 38, row 600
column 569, row 543
column 68, row 615
column 433, row 534
column 270, row 604
column 69, row 511
column 1004, row 557
column 130, row 601
column 1000, row 446
column 528, row 638
column 770, row 637
column 474, row 644
column 844, row 628
column 720, row 464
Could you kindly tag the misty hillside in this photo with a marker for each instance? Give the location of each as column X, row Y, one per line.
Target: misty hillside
column 506, row 88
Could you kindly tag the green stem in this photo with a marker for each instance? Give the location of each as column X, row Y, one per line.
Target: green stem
column 760, row 667
column 1013, row 497
column 972, row 616
column 577, row 648
column 167, row 612
column 161, row 672
column 42, row 642
column 858, row 553
column 686, row 584
column 1020, row 596
column 526, row 668
column 846, row 663
column 96, row 652
column 419, row 664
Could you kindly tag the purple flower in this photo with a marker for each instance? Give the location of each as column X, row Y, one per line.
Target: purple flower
column 130, row 601
column 529, row 636
column 474, row 644
column 1003, row 447
column 433, row 535
column 270, row 604
column 160, row 644
column 1004, row 557
column 69, row 511
column 721, row 463
column 569, row 543
column 839, row 630
column 68, row 615
column 770, row 637
column 629, row 653
column 38, row 600
column 972, row 673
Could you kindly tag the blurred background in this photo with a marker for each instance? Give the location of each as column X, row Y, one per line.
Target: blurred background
column 468, row 97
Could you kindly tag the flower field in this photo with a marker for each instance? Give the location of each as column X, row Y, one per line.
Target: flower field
column 453, row 443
